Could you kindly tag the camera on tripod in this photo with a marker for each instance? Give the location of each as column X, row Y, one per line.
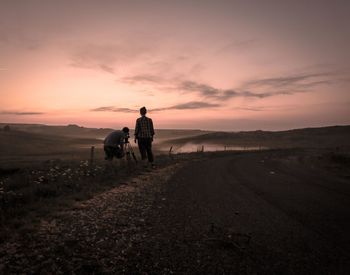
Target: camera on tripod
column 126, row 139
column 129, row 151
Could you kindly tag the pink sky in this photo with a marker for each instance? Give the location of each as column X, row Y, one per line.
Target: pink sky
column 219, row 65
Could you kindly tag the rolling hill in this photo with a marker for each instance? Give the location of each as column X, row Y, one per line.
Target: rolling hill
column 14, row 143
column 333, row 136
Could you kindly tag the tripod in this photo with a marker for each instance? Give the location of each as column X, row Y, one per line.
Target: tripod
column 129, row 151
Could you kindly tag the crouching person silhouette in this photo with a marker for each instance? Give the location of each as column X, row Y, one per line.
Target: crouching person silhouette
column 114, row 144
column 144, row 133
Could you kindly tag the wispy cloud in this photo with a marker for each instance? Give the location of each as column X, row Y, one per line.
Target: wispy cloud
column 94, row 57
column 182, row 106
column 189, row 106
column 210, row 92
column 106, row 68
column 267, row 108
column 305, row 80
column 204, row 89
column 238, row 46
column 18, row 38
column 264, row 87
column 114, row 109
column 107, row 57
column 253, row 109
column 288, row 84
column 257, row 88
column 143, row 79
column 194, row 105
column 17, row 113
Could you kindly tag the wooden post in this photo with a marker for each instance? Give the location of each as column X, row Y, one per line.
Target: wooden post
column 92, row 151
column 170, row 152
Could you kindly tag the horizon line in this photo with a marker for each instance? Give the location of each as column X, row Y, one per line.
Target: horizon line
column 178, row 129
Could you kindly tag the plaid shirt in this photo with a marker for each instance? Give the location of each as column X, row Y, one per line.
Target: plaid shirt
column 144, row 128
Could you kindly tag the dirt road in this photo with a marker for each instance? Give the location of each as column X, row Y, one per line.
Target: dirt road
column 250, row 213
column 256, row 212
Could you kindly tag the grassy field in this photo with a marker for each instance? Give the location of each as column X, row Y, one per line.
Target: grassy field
column 41, row 172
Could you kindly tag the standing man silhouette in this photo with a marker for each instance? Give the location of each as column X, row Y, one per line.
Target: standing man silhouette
column 144, row 133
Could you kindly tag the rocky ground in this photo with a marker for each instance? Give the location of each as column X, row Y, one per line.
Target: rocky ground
column 269, row 212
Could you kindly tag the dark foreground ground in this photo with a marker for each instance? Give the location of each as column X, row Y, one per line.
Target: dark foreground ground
column 270, row 212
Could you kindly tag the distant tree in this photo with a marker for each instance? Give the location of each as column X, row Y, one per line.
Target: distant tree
column 73, row 126
column 7, row 128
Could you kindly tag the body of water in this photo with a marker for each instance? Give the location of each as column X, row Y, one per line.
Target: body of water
column 191, row 147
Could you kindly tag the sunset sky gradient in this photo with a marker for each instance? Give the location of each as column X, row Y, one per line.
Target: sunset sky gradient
column 218, row 65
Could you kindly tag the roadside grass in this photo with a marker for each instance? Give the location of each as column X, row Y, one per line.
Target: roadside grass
column 29, row 194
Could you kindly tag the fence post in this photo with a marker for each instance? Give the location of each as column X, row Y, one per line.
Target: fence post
column 92, row 151
column 170, row 152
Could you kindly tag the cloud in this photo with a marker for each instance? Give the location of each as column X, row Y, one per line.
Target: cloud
column 203, row 89
column 107, row 57
column 32, row 41
column 253, row 109
column 238, row 45
column 106, row 68
column 164, row 74
column 306, row 80
column 267, row 108
column 194, row 105
column 210, row 92
column 94, row 57
column 182, row 106
column 189, row 106
column 16, row 113
column 114, row 109
column 262, row 88
column 144, row 79
column 255, row 89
